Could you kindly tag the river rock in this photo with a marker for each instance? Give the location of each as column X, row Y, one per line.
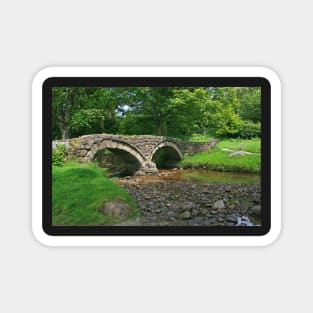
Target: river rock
column 185, row 215
column 163, row 199
column 117, row 209
column 219, row 205
column 232, row 207
column 151, row 164
column 139, row 173
column 187, row 205
column 256, row 210
column 194, row 212
column 232, row 219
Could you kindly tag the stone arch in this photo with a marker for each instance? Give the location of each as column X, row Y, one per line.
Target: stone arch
column 169, row 148
column 119, row 146
column 167, row 144
column 112, row 144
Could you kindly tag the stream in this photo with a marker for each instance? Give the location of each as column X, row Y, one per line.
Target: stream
column 195, row 198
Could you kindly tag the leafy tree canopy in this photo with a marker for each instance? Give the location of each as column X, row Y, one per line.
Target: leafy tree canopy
column 169, row 111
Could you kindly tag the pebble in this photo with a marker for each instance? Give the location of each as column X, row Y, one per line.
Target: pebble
column 194, row 212
column 185, row 215
column 219, row 205
column 183, row 203
column 232, row 219
column 256, row 210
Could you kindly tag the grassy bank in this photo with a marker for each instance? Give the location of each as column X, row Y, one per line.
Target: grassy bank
column 219, row 160
column 249, row 145
column 79, row 191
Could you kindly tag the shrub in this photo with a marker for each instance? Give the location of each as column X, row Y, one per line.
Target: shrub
column 248, row 130
column 58, row 155
column 227, row 123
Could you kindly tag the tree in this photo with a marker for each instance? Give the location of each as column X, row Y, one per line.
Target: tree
column 64, row 104
column 250, row 103
column 97, row 112
column 168, row 111
column 145, row 109
column 78, row 111
column 219, row 107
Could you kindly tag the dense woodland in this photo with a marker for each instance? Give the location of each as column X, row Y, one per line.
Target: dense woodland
column 169, row 111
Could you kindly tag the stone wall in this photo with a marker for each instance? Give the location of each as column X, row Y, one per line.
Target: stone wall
column 142, row 147
column 195, row 147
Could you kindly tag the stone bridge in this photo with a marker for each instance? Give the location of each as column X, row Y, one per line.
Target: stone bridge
column 141, row 153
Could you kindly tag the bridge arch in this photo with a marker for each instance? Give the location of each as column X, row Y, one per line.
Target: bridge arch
column 131, row 159
column 166, row 154
column 119, row 145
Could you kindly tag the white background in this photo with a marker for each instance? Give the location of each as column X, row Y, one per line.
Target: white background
column 36, row 34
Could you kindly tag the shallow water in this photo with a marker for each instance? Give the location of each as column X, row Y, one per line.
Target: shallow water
column 222, row 177
column 205, row 176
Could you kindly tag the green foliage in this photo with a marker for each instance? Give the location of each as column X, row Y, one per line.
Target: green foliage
column 200, row 137
column 227, row 123
column 58, row 155
column 185, row 106
column 79, row 111
column 219, row 112
column 249, row 130
column 169, row 111
column 79, row 191
column 164, row 111
column 86, row 121
column 250, row 103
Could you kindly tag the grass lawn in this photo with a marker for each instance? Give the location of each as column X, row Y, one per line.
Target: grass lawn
column 79, row 191
column 250, row 145
column 220, row 160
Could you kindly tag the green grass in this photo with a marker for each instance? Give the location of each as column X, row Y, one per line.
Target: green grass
column 219, row 160
column 250, row 145
column 79, row 191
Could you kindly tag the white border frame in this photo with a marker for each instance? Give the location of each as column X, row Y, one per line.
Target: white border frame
column 213, row 240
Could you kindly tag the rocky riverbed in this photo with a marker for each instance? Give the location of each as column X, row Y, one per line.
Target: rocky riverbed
column 166, row 200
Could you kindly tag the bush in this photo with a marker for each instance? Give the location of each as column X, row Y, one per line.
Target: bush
column 227, row 124
column 58, row 155
column 248, row 130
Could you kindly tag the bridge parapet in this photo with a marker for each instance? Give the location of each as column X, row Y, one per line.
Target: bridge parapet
column 141, row 147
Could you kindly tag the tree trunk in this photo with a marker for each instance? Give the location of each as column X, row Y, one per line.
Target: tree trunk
column 65, row 132
column 159, row 127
